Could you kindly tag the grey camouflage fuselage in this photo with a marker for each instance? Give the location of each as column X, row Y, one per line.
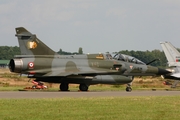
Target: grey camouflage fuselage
column 42, row 63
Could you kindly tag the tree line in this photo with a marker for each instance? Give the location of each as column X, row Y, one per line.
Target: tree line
column 8, row 52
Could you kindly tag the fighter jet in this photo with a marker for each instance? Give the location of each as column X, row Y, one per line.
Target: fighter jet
column 41, row 63
column 173, row 57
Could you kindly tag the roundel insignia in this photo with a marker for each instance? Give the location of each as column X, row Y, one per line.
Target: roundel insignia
column 31, row 65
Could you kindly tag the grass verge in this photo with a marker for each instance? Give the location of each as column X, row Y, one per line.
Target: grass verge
column 110, row 108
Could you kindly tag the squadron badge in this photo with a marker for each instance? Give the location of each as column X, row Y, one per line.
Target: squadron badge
column 32, row 45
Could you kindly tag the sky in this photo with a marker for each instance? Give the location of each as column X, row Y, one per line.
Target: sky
column 95, row 25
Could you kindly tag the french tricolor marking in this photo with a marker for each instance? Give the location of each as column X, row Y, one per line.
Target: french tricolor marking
column 31, row 65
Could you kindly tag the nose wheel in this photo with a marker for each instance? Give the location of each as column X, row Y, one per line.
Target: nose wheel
column 128, row 88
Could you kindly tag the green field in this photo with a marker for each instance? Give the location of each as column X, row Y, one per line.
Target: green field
column 110, row 108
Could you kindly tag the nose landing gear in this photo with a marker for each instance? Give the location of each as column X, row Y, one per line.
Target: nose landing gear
column 128, row 88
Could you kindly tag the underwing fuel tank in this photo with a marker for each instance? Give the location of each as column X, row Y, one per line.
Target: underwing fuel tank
column 111, row 79
column 92, row 80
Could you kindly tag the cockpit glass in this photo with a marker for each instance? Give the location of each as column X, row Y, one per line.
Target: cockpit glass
column 127, row 58
column 109, row 56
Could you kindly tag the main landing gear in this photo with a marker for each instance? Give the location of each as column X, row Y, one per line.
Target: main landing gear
column 83, row 87
column 65, row 87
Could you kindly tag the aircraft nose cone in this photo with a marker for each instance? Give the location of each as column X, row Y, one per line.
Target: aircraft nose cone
column 163, row 71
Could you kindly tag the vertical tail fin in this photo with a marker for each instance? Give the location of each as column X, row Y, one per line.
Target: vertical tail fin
column 171, row 53
column 30, row 45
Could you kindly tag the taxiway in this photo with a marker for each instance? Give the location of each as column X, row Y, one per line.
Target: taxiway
column 29, row 94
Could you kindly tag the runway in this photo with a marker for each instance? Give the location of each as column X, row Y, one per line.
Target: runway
column 27, row 94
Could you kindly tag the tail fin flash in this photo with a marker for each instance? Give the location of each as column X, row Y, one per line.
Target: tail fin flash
column 30, row 45
column 171, row 53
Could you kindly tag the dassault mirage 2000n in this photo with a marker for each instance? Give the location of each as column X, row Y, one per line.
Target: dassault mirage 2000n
column 40, row 62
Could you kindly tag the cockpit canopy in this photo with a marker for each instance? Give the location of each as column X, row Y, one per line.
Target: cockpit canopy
column 127, row 58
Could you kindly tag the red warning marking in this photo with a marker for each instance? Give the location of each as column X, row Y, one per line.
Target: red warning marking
column 131, row 66
column 32, row 72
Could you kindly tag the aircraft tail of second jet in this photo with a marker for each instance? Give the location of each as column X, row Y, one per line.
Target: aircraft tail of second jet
column 30, row 45
column 171, row 53
column 173, row 57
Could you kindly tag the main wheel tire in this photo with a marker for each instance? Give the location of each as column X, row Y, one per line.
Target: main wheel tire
column 83, row 87
column 128, row 89
column 64, row 87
